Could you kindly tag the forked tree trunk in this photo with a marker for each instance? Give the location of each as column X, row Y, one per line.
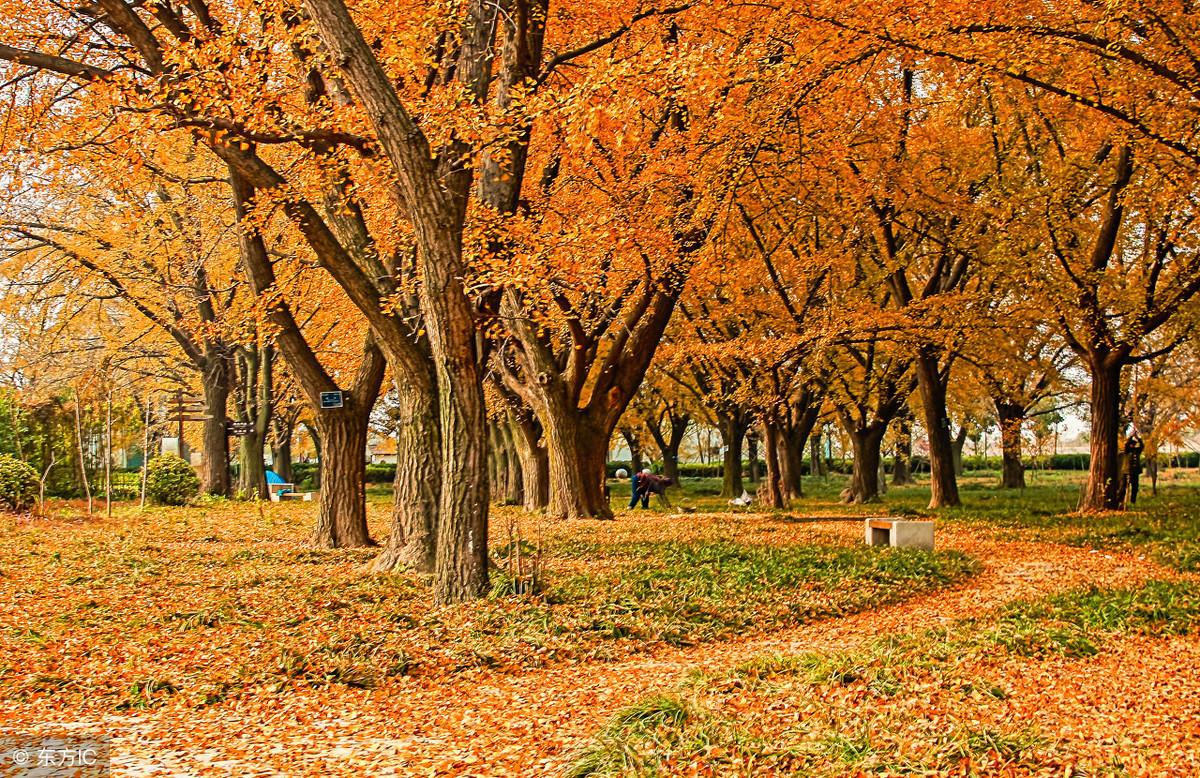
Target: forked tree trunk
column 733, row 432
column 942, row 480
column 668, row 445
column 1011, row 417
column 577, row 451
column 342, row 522
column 214, row 472
column 1103, row 491
column 864, row 479
column 535, row 464
column 412, row 539
column 902, row 463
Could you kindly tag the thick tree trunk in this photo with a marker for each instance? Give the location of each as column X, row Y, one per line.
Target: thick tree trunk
column 771, row 491
column 252, row 471
column 1011, row 417
column 281, row 450
column 412, row 539
column 942, row 481
column 902, row 462
column 864, row 479
column 342, row 522
column 1103, row 490
column 577, row 452
column 214, row 472
column 535, row 463
column 791, row 455
column 733, row 431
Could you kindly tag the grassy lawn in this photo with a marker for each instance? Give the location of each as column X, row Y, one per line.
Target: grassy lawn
column 1166, row 525
column 945, row 701
column 199, row 606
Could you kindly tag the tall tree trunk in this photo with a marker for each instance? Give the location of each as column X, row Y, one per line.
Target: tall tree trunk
column 902, row 462
column 635, row 450
column 412, row 539
column 514, row 491
column 817, row 455
column 931, row 383
column 256, row 409
column 864, row 478
column 752, row 440
column 957, row 444
column 577, row 450
column 252, row 471
column 733, row 431
column 1103, row 490
column 1011, row 416
column 281, row 448
column 214, row 473
column 535, row 464
column 670, row 452
column 314, row 435
column 772, row 491
column 342, row 521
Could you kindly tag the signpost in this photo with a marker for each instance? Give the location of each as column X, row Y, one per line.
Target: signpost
column 240, row 428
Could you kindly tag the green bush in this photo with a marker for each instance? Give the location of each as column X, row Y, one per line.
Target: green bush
column 18, row 484
column 171, row 481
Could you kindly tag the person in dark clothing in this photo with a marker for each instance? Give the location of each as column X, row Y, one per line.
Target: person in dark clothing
column 640, row 486
column 1131, row 465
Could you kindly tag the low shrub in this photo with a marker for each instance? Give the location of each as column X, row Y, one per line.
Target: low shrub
column 18, row 484
column 171, row 481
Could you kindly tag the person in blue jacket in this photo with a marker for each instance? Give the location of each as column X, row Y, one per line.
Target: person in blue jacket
column 639, row 484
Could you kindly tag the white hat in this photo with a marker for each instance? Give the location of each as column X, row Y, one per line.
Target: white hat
column 646, row 471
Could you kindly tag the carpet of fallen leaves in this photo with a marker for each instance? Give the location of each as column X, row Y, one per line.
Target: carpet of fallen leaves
column 457, row 717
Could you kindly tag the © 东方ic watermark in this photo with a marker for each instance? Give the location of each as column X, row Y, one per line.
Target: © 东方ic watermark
column 50, row 756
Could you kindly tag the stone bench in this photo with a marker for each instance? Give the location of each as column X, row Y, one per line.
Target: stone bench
column 899, row 533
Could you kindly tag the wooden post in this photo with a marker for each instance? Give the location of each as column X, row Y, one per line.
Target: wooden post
column 146, row 449
column 108, row 453
column 87, row 489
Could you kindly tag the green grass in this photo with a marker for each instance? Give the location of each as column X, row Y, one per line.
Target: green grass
column 682, row 593
column 1165, row 526
column 852, row 730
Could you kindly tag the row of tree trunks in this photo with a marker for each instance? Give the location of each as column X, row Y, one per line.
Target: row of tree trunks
column 505, row 466
column 902, row 459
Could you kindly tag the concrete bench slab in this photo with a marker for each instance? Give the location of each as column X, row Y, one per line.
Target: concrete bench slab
column 899, row 533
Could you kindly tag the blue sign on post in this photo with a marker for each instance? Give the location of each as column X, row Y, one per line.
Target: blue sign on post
column 331, row 400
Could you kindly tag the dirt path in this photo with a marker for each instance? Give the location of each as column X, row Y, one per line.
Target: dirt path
column 532, row 724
